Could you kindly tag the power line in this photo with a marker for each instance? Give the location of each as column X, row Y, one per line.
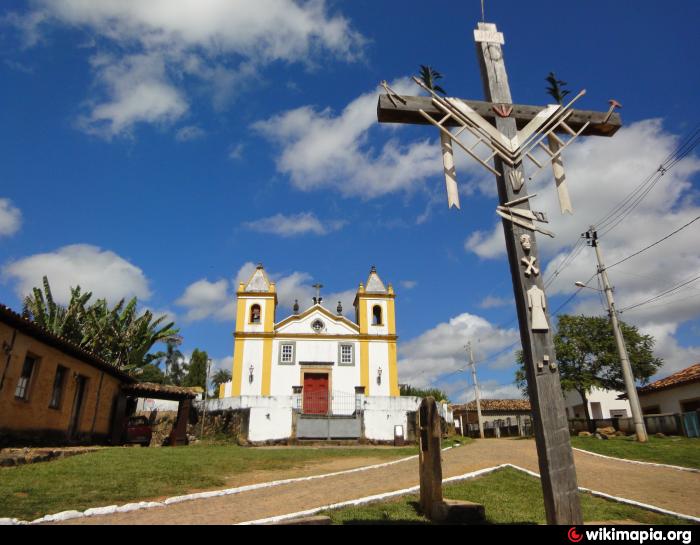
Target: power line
column 654, row 244
column 669, row 291
column 637, row 195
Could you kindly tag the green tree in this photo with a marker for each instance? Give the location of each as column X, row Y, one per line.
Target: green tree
column 587, row 356
column 429, row 76
column 556, row 88
column 408, row 390
column 196, row 369
column 222, row 376
column 151, row 373
column 66, row 322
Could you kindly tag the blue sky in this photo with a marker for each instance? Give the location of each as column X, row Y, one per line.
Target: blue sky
column 162, row 148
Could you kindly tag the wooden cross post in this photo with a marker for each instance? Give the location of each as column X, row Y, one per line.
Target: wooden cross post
column 558, row 474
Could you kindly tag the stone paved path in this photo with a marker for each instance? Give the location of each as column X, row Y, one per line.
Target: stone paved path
column 667, row 488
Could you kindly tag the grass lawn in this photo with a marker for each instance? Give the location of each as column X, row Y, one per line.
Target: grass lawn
column 678, row 451
column 121, row 475
column 509, row 496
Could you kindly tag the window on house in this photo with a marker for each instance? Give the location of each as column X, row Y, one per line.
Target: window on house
column 376, row 315
column 57, row 392
column 22, row 390
column 255, row 314
column 287, row 353
column 346, row 356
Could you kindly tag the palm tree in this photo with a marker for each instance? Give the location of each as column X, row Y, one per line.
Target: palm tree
column 555, row 89
column 171, row 359
column 118, row 335
column 429, row 76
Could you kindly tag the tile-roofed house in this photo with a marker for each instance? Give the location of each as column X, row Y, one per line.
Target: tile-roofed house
column 52, row 391
column 499, row 416
column 676, row 393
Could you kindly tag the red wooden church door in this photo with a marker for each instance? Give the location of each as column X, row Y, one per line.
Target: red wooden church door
column 316, row 393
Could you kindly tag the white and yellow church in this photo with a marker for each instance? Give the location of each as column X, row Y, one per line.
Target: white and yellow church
column 317, row 374
column 317, row 352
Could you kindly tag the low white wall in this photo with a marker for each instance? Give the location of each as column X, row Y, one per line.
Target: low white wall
column 269, row 423
column 248, row 402
column 147, row 404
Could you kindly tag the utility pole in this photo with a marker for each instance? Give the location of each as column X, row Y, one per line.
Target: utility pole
column 206, row 395
column 476, row 390
column 637, row 418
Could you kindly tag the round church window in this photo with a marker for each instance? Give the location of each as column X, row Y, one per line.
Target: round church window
column 317, row 326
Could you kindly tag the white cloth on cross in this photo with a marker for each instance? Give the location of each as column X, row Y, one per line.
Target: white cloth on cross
column 448, row 163
column 536, row 302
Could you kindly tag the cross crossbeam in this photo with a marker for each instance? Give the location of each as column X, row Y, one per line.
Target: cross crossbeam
column 407, row 111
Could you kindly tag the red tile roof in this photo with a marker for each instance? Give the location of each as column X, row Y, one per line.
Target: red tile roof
column 500, row 405
column 160, row 391
column 684, row 376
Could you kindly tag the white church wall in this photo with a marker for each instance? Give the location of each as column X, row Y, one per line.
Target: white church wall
column 303, row 326
column 283, row 376
column 378, row 357
column 346, row 377
column 252, row 355
column 316, row 350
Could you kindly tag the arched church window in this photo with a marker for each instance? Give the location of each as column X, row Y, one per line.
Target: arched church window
column 376, row 315
column 255, row 314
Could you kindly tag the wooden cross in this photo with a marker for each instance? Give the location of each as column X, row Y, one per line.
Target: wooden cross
column 558, row 474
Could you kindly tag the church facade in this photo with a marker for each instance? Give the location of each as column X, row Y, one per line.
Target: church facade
column 319, row 355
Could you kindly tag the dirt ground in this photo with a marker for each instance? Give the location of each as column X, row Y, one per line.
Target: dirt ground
column 667, row 488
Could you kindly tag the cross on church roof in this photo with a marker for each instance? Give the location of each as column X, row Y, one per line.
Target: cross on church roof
column 318, row 298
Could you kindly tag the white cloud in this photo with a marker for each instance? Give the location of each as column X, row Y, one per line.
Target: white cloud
column 10, row 218
column 408, row 284
column 220, row 43
column 441, row 350
column 102, row 272
column 217, row 300
column 494, row 302
column 462, row 390
column 137, row 90
column 322, row 149
column 294, row 225
column 204, row 299
column 601, row 173
column 190, row 132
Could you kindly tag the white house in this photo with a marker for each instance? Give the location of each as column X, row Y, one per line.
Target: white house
column 316, row 363
column 677, row 393
column 601, row 404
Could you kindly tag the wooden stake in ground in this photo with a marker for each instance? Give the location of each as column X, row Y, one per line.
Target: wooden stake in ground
column 518, row 132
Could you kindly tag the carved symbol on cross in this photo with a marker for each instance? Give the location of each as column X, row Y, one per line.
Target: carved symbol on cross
column 529, row 262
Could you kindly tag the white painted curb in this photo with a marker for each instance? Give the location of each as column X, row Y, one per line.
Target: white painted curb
column 639, row 462
column 366, row 499
column 466, row 476
column 110, row 509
